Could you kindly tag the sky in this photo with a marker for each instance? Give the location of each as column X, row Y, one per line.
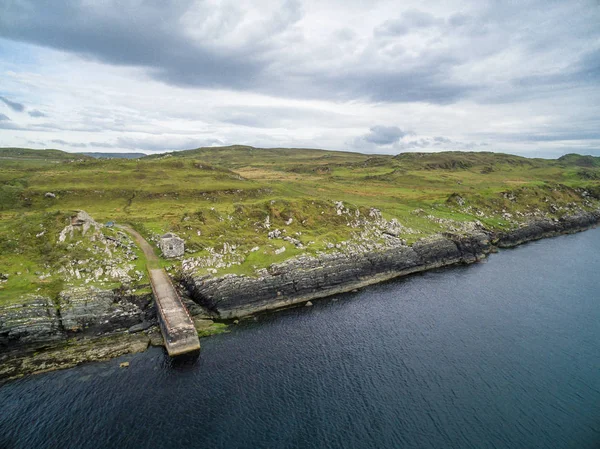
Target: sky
column 520, row 76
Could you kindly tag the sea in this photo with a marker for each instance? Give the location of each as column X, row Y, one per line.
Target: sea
column 500, row 354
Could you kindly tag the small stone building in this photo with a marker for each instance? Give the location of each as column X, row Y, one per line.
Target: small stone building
column 171, row 245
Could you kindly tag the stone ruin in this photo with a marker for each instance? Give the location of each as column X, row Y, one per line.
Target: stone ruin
column 171, row 245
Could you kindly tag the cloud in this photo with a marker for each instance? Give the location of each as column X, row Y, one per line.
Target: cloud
column 303, row 73
column 586, row 70
column 408, row 21
column 35, row 113
column 193, row 44
column 101, row 145
column 274, row 116
column 198, row 54
column 17, row 107
column 164, row 143
column 384, row 135
column 70, row 144
column 4, row 118
column 441, row 140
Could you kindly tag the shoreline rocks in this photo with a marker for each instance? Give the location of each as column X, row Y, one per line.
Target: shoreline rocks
column 86, row 324
column 309, row 277
column 35, row 331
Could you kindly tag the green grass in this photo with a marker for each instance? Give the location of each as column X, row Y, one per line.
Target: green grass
column 213, row 329
column 213, row 197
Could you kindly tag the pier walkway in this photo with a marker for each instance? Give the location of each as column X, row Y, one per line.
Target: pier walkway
column 176, row 324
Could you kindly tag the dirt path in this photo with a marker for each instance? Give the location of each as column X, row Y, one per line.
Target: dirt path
column 151, row 257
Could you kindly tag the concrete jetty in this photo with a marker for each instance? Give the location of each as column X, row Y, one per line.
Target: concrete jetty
column 176, row 324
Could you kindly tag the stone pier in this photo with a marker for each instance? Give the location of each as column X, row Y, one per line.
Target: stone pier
column 176, row 324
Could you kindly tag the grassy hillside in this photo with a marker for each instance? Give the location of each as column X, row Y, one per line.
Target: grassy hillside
column 225, row 201
column 99, row 155
column 24, row 154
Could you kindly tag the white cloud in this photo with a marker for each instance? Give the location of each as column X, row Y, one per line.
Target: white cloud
column 328, row 74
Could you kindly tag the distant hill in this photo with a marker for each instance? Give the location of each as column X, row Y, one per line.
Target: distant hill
column 28, row 153
column 241, row 155
column 579, row 160
column 115, row 155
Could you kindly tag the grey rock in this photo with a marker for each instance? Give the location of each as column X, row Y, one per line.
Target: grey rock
column 307, row 277
column 34, row 320
column 92, row 310
column 140, row 327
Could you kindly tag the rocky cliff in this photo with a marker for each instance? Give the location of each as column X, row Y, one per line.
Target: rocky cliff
column 78, row 312
column 309, row 277
column 548, row 227
column 107, row 323
column 82, row 324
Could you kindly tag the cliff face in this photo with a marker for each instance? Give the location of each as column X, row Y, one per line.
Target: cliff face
column 33, row 321
column 548, row 228
column 78, row 312
column 82, row 324
column 305, row 278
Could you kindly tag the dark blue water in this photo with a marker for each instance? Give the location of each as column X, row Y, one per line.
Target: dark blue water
column 503, row 354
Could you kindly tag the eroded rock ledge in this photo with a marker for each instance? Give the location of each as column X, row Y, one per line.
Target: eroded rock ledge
column 305, row 278
column 82, row 324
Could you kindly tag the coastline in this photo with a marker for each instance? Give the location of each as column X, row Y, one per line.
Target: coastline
column 283, row 285
column 306, row 278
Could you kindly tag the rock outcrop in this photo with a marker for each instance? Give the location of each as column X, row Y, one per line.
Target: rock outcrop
column 34, row 320
column 100, row 311
column 307, row 277
column 78, row 312
column 539, row 229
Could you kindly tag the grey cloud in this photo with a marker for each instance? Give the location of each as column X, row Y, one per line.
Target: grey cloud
column 275, row 58
column 70, row 144
column 459, row 20
column 438, row 143
column 37, row 143
column 274, row 116
column 101, row 145
column 17, row 107
column 155, row 39
column 345, row 34
column 158, row 144
column 409, row 20
column 7, row 123
column 440, row 140
column 35, row 113
column 557, row 135
column 586, row 70
column 384, row 135
column 426, row 84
